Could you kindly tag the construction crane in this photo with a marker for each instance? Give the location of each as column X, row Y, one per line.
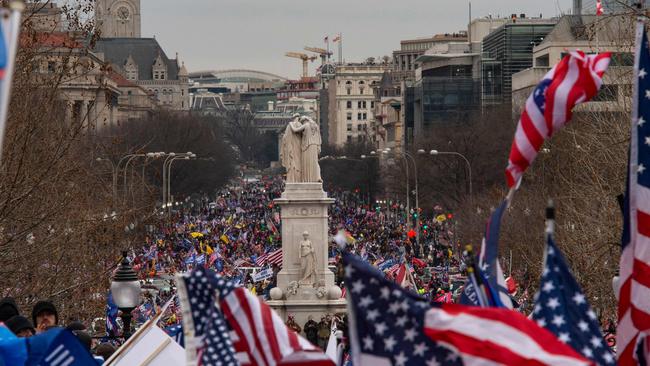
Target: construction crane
column 324, row 54
column 305, row 61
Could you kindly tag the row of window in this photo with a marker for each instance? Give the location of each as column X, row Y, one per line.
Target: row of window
column 362, row 104
column 360, row 127
column 360, row 116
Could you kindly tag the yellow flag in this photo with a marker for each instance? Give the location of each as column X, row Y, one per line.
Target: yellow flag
column 225, row 239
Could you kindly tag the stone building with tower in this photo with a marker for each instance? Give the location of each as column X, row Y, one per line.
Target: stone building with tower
column 141, row 61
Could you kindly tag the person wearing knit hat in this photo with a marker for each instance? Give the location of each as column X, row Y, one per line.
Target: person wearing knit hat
column 44, row 315
column 8, row 309
column 20, row 326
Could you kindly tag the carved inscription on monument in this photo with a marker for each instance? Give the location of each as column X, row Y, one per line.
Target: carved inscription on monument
column 305, row 212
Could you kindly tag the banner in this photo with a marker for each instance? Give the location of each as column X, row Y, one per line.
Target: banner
column 263, row 275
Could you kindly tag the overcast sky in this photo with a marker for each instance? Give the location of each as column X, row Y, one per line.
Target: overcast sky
column 255, row 34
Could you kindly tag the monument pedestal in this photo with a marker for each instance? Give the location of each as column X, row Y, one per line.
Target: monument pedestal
column 304, row 208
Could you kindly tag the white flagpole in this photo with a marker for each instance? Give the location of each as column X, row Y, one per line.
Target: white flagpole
column 13, row 29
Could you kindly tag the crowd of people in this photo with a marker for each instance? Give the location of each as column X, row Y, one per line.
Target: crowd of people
column 235, row 230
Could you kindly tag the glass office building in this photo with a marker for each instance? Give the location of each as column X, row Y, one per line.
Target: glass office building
column 506, row 51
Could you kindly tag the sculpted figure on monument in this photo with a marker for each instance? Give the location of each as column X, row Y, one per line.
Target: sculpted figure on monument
column 299, row 149
column 291, row 150
column 311, row 143
column 307, row 261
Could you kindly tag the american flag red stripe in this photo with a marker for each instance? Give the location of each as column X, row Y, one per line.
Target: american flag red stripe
column 576, row 79
column 275, row 257
column 261, row 260
column 262, row 336
column 470, row 331
column 599, row 7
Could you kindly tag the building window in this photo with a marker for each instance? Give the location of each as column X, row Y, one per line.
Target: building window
column 361, row 90
column 359, row 128
column 349, row 104
column 359, row 104
column 349, row 138
column 372, row 104
column 360, row 138
column 349, row 92
column 349, row 126
column 364, row 104
column 349, row 117
column 359, row 116
column 365, row 116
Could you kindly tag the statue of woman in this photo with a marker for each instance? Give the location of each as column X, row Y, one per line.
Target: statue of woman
column 311, row 143
column 307, row 260
column 291, row 151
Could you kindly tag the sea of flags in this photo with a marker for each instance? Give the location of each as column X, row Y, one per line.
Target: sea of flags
column 390, row 325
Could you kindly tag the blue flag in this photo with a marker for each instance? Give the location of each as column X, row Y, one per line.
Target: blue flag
column 56, row 347
column 111, row 316
column 491, row 275
column 562, row 308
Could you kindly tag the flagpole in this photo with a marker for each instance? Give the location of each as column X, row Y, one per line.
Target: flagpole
column 471, row 273
column 16, row 8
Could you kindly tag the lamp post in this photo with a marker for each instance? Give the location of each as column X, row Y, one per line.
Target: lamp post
column 125, row 289
column 186, row 156
column 469, row 166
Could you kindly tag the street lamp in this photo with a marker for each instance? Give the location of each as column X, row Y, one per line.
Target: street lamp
column 125, row 289
column 469, row 166
column 186, row 156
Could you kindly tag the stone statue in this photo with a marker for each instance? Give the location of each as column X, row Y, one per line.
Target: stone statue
column 299, row 149
column 291, row 150
column 311, row 144
column 307, row 261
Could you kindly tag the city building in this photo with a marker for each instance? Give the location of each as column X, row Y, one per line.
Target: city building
column 447, row 88
column 387, row 124
column 236, row 81
column 410, row 49
column 508, row 50
column 351, row 102
column 574, row 32
column 305, row 87
column 140, row 60
column 279, row 114
column 588, row 7
column 118, row 18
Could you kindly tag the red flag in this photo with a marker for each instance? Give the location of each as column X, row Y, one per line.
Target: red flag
column 411, row 234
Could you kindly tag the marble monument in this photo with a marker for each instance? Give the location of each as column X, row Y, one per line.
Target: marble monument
column 305, row 284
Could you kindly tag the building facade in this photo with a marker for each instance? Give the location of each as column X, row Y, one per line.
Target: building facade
column 118, row 18
column 508, row 50
column 410, row 49
column 141, row 61
column 351, row 103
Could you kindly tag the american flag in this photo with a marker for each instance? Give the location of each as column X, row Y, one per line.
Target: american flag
column 599, row 7
column 634, row 280
column 562, row 308
column 392, row 326
column 207, row 342
column 275, row 257
column 489, row 267
column 246, row 330
column 576, row 79
column 261, row 260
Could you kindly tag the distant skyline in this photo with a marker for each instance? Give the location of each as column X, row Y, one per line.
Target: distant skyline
column 255, row 34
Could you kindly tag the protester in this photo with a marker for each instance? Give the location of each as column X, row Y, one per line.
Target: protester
column 8, row 309
column 20, row 326
column 311, row 330
column 44, row 316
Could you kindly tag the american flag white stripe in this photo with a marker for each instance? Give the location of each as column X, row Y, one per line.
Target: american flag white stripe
column 576, row 79
column 275, row 257
column 263, row 336
column 470, row 329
